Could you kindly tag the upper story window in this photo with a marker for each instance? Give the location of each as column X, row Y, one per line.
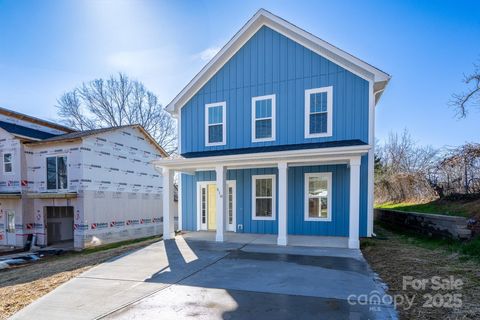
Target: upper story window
column 318, row 112
column 263, row 195
column 215, row 124
column 318, row 195
column 7, row 163
column 263, row 118
column 57, row 173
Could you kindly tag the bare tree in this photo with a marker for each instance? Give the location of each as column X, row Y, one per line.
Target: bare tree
column 404, row 170
column 459, row 170
column 401, row 154
column 114, row 102
column 470, row 98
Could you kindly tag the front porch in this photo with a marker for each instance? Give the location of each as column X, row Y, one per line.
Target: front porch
column 289, row 221
column 268, row 239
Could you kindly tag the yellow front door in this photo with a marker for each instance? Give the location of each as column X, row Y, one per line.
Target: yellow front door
column 212, row 207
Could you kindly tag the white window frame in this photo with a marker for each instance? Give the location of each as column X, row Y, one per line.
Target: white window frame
column 308, row 93
column 233, row 226
column 274, row 196
column 56, row 156
column 224, row 123
column 328, row 177
column 11, row 162
column 273, row 117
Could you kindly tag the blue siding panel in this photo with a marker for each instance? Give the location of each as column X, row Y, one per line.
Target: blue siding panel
column 296, row 224
column 270, row 63
column 243, row 180
column 340, row 202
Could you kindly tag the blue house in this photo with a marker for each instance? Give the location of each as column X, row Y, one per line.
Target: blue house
column 276, row 136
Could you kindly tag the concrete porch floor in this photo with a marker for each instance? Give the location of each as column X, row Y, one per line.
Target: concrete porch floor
column 255, row 238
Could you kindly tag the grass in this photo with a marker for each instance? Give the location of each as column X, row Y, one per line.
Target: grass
column 443, row 207
column 115, row 245
column 394, row 255
column 467, row 249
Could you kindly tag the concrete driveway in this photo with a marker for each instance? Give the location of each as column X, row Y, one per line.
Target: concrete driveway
column 206, row 280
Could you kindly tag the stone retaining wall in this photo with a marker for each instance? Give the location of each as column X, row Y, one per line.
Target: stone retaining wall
column 433, row 225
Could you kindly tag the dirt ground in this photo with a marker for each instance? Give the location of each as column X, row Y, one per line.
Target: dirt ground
column 394, row 256
column 22, row 285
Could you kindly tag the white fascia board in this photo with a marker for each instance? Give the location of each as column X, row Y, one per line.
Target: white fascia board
column 265, row 18
column 262, row 158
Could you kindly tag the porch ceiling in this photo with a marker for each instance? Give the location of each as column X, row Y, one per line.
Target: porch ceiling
column 292, row 157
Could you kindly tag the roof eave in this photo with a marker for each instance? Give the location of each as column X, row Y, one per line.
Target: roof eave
column 31, row 119
column 261, row 18
column 267, row 157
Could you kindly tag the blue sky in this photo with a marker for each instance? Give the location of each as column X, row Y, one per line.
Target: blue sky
column 49, row 47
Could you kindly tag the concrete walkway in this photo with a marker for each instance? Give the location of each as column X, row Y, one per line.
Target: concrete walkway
column 206, row 280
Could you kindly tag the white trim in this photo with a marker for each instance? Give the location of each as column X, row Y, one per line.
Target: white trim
column 179, row 133
column 265, row 18
column 308, row 93
column 354, row 204
column 168, row 216
column 263, row 158
column 11, row 172
column 204, row 184
column 328, row 177
column 221, row 212
column 232, row 227
column 272, row 118
column 200, row 185
column 223, row 104
column 282, row 239
column 254, row 196
column 179, row 202
column 371, row 159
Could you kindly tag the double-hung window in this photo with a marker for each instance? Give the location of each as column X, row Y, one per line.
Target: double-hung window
column 7, row 163
column 318, row 195
column 57, row 173
column 318, row 112
column 263, row 195
column 215, row 124
column 263, row 118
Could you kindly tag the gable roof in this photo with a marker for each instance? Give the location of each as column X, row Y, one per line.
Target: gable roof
column 78, row 135
column 25, row 132
column 265, row 18
column 24, row 117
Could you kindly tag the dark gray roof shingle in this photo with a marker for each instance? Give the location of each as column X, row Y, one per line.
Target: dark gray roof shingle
column 25, row 131
column 80, row 134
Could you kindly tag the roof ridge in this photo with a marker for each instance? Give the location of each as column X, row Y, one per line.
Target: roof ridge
column 264, row 17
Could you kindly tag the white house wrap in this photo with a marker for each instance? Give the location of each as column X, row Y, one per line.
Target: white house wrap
column 92, row 187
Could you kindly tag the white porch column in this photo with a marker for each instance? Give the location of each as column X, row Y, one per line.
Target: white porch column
column 179, row 199
column 221, row 173
column 168, row 214
column 354, row 212
column 282, row 203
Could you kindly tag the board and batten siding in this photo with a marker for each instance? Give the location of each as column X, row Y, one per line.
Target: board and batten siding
column 270, row 63
column 296, row 197
column 340, row 201
column 243, row 178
